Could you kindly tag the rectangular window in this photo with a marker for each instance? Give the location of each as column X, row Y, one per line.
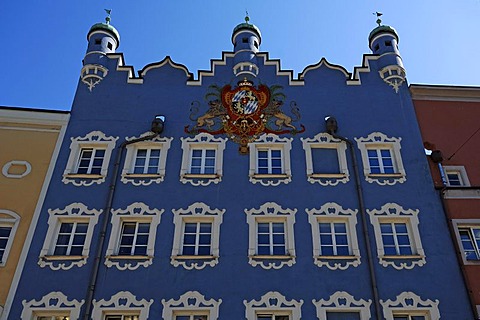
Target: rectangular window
column 325, row 160
column 197, row 239
column 91, row 161
column 454, row 178
column 272, row 317
column 71, row 239
column 395, row 238
column 470, row 238
column 4, row 235
column 192, row 317
column 408, row 317
column 146, row 161
column 269, row 161
column 121, row 317
column 333, row 239
column 271, row 238
column 134, row 239
column 203, row 161
column 52, row 318
column 380, row 161
column 343, row 316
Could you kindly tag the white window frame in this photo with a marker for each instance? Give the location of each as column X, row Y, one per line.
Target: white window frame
column 326, row 141
column 137, row 212
column 191, row 302
column 342, row 301
column 376, row 141
column 95, row 140
column 270, row 141
column 461, row 224
column 392, row 212
column 460, row 171
column 145, row 179
column 75, row 212
column 202, row 141
column 124, row 303
column 8, row 219
column 196, row 212
column 271, row 212
column 412, row 304
column 52, row 304
column 332, row 212
column 273, row 302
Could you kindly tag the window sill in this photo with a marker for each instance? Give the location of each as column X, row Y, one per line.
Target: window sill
column 142, row 175
column 129, row 257
column 337, row 257
column 327, row 175
column 270, row 176
column 193, row 257
column 411, row 256
column 57, row 258
column 83, row 176
column 272, row 257
column 385, row 175
column 200, row 176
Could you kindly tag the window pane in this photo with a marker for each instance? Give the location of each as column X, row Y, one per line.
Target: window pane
column 343, row 316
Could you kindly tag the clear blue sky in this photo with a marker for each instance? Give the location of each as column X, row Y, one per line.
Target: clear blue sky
column 42, row 43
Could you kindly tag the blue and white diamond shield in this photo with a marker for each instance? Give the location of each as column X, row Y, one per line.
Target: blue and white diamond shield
column 245, row 102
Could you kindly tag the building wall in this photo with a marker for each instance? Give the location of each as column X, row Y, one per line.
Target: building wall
column 448, row 120
column 119, row 108
column 29, row 138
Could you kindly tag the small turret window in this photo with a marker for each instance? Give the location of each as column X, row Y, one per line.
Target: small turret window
column 388, row 43
column 255, row 44
column 377, row 46
column 109, row 45
column 245, row 40
column 98, row 41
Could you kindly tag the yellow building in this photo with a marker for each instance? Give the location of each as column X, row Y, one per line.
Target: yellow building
column 29, row 143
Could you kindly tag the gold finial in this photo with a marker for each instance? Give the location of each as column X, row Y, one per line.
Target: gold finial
column 246, row 17
column 107, row 19
column 378, row 14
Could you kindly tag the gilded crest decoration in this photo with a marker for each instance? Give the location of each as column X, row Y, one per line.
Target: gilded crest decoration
column 244, row 112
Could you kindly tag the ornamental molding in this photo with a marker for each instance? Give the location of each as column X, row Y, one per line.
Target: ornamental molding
column 137, row 212
column 408, row 216
column 197, row 211
column 74, row 212
column 271, row 210
column 271, row 140
column 122, row 301
column 342, row 301
column 332, row 211
column 378, row 139
column 16, row 163
column 202, row 139
column 273, row 301
column 409, row 301
column 326, row 141
column 191, row 301
column 163, row 143
column 54, row 301
column 93, row 74
column 92, row 139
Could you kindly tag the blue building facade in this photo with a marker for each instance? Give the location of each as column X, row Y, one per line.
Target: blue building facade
column 241, row 193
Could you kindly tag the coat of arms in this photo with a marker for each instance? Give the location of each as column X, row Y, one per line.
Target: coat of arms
column 244, row 112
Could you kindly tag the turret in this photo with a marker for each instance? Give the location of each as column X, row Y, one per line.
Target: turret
column 246, row 39
column 383, row 41
column 102, row 39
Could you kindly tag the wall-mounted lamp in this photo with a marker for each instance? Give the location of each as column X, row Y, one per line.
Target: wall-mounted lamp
column 158, row 124
column 331, row 124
